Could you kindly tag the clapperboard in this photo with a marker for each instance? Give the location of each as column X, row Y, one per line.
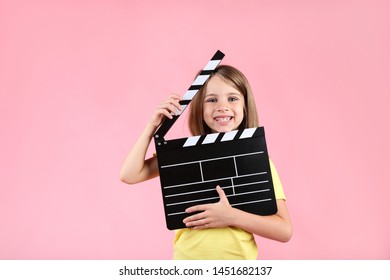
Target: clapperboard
column 191, row 168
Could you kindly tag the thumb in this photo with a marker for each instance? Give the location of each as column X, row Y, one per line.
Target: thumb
column 222, row 195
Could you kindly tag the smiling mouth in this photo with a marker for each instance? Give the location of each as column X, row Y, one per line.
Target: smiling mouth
column 223, row 119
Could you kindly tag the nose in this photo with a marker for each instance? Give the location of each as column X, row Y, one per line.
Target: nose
column 223, row 109
column 223, row 106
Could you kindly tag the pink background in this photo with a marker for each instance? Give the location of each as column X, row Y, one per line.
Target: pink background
column 79, row 79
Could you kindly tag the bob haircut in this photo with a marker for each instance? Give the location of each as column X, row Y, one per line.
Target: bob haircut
column 234, row 78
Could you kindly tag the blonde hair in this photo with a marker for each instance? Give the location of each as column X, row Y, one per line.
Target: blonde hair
column 234, row 78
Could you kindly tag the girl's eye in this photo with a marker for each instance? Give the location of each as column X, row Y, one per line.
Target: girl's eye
column 211, row 100
column 233, row 98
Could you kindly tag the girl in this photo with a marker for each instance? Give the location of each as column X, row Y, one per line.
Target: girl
column 219, row 231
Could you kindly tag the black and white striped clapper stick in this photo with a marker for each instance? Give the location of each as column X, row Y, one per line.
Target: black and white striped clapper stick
column 191, row 168
column 199, row 81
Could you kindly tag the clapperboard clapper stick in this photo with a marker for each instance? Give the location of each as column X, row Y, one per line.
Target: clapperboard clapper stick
column 191, row 168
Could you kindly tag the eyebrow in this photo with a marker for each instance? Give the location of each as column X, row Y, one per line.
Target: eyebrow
column 230, row 93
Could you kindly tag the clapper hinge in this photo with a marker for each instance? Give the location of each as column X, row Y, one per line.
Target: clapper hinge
column 159, row 140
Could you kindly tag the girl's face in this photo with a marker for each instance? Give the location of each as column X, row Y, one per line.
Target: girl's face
column 223, row 106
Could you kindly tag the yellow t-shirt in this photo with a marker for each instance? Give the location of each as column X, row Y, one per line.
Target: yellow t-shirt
column 227, row 243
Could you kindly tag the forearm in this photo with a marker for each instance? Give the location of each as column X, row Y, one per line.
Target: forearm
column 221, row 214
column 135, row 168
column 276, row 227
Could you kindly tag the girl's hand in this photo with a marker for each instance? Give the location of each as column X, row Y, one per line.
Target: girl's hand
column 166, row 109
column 214, row 215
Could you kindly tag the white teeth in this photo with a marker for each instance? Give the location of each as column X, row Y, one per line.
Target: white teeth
column 223, row 119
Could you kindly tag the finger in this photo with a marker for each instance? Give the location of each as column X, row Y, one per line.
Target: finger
column 172, row 104
column 175, row 96
column 195, row 217
column 165, row 113
column 177, row 105
column 197, row 223
column 169, row 107
column 174, row 99
column 197, row 208
column 222, row 194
